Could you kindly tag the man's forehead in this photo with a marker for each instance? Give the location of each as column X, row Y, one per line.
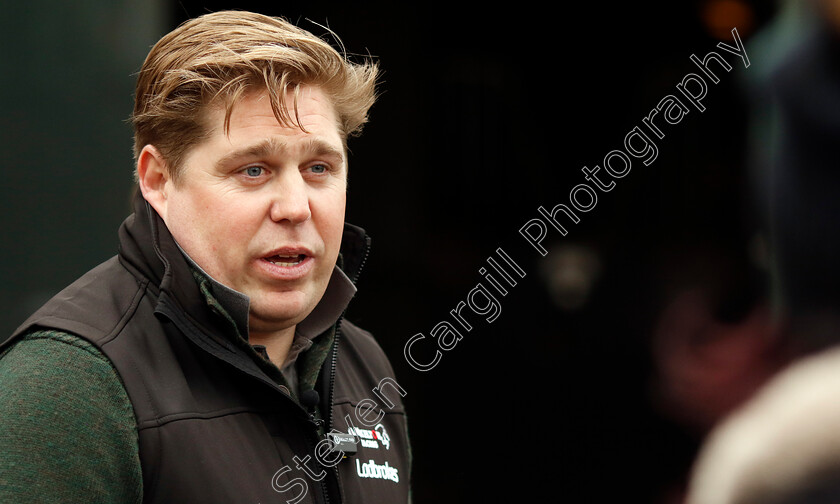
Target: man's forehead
column 312, row 125
column 287, row 109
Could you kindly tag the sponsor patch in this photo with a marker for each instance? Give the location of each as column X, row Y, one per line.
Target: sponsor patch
column 372, row 438
column 371, row 469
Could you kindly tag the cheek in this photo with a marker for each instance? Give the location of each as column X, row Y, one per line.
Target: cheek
column 232, row 225
column 208, row 222
column 221, row 235
column 333, row 217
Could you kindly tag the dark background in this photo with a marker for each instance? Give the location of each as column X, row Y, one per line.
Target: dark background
column 486, row 114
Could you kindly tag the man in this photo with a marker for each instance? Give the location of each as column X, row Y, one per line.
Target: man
column 209, row 360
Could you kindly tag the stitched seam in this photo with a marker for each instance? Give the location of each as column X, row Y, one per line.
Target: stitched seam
column 73, row 341
column 193, row 415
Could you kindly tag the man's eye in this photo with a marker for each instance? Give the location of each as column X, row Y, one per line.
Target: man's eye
column 253, row 171
column 318, row 168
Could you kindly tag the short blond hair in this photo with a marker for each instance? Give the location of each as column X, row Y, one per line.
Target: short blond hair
column 219, row 57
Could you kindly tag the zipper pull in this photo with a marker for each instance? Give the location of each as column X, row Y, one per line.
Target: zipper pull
column 317, row 422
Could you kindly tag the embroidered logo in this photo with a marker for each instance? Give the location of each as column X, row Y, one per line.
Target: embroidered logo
column 371, row 438
column 371, row 469
column 383, row 436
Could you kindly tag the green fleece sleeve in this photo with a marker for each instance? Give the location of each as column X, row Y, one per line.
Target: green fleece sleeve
column 67, row 429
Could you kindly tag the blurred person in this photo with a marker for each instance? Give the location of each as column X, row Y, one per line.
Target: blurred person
column 781, row 447
column 797, row 107
column 714, row 342
column 209, row 361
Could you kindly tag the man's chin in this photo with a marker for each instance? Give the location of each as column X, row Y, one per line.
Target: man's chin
column 278, row 314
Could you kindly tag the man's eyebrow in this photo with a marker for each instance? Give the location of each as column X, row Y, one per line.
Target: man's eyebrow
column 272, row 146
column 321, row 147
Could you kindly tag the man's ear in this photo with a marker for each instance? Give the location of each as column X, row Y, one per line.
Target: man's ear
column 153, row 178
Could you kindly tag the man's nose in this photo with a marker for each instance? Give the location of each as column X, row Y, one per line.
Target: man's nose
column 290, row 198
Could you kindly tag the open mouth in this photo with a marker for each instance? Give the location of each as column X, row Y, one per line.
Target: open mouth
column 286, row 261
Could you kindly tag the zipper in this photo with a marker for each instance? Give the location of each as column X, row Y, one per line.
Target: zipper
column 325, row 492
column 333, row 366
column 334, row 356
column 364, row 259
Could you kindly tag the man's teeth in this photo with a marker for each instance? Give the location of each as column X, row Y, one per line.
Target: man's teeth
column 281, row 260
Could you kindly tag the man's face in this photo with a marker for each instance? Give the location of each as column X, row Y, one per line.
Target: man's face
column 261, row 209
